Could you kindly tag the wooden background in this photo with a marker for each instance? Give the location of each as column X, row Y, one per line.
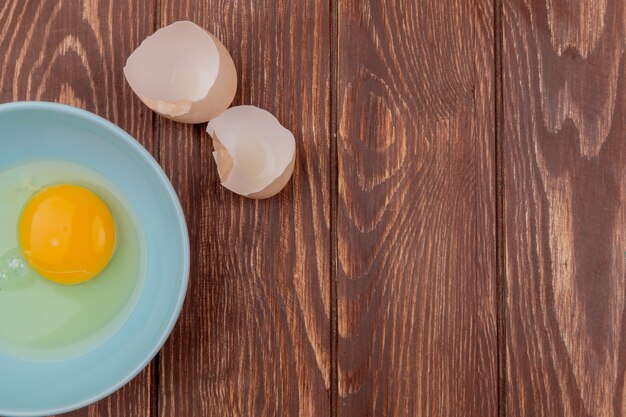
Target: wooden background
column 453, row 240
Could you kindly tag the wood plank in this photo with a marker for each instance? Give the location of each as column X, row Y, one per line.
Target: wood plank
column 564, row 89
column 73, row 52
column 254, row 335
column 416, row 214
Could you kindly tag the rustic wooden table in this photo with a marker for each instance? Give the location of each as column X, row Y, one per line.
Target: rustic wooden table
column 452, row 242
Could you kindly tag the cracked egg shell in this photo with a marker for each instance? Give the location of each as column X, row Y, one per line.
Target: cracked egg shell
column 254, row 153
column 183, row 72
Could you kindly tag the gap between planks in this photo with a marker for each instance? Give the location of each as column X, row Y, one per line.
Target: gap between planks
column 499, row 178
column 334, row 199
column 156, row 133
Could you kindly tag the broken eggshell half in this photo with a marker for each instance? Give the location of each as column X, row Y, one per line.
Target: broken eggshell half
column 183, row 72
column 254, row 153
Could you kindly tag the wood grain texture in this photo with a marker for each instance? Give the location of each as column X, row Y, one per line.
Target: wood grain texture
column 414, row 211
column 72, row 52
column 416, row 214
column 564, row 89
column 254, row 336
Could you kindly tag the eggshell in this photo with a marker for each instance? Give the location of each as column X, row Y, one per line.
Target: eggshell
column 183, row 72
column 254, row 153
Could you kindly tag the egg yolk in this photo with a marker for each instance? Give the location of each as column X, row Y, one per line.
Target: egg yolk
column 67, row 234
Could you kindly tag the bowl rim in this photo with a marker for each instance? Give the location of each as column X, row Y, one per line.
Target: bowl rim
column 156, row 169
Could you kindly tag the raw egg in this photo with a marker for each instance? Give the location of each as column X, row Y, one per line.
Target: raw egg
column 67, row 234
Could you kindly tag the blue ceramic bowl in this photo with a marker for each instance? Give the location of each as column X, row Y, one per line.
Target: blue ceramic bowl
column 38, row 130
